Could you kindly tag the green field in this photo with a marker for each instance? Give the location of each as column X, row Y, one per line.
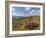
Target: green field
column 25, row 23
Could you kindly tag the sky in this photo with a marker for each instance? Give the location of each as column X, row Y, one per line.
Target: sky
column 25, row 11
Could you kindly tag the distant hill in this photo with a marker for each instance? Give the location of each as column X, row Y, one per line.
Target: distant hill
column 22, row 16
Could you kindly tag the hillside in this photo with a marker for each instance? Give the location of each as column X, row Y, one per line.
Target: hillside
column 25, row 23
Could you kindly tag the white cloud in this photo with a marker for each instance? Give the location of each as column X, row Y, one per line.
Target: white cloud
column 17, row 14
column 35, row 13
column 13, row 9
column 27, row 8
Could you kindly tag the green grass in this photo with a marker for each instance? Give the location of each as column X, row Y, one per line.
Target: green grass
column 22, row 23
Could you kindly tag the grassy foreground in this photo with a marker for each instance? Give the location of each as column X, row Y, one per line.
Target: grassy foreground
column 25, row 23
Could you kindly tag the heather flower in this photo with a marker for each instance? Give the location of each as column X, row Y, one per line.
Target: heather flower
column 17, row 23
column 31, row 24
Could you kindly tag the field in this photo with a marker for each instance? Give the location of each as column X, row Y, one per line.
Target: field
column 25, row 23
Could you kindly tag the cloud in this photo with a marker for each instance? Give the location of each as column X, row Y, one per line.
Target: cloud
column 35, row 12
column 17, row 14
column 25, row 13
column 27, row 8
